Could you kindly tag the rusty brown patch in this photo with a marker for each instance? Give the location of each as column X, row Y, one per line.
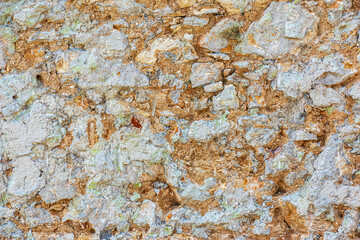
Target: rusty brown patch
column 67, row 140
column 108, row 125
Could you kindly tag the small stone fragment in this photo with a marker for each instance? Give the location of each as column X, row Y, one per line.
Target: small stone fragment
column 2, row 55
column 218, row 37
column 147, row 214
column 31, row 15
column 113, row 45
column 214, row 87
column 354, row 91
column 235, row 6
column 195, row 21
column 205, row 73
column 280, row 29
column 258, row 137
column 26, row 178
column 324, row 97
column 36, row 216
column 226, row 99
column 185, row 3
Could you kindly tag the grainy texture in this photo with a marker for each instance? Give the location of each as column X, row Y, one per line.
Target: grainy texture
column 179, row 119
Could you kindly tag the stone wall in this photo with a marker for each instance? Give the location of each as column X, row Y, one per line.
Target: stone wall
column 179, row 119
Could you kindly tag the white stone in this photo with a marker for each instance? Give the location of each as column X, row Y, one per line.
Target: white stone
column 26, row 178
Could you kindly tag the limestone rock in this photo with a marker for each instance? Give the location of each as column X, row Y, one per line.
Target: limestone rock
column 219, row 35
column 234, row 7
column 258, row 137
column 282, row 27
column 36, row 216
column 354, row 91
column 26, row 178
column 205, row 73
column 113, row 45
column 226, row 99
column 324, row 97
column 31, row 15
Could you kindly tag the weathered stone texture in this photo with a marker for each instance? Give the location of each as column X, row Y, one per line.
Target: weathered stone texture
column 185, row 119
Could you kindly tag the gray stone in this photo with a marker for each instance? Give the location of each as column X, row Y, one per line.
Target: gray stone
column 113, row 45
column 38, row 126
column 219, row 35
column 282, row 27
column 350, row 222
column 205, row 130
column 236, row 79
column 226, row 99
column 329, row 2
column 6, row 212
column 258, row 137
column 334, row 236
column 26, row 178
column 330, row 70
column 354, row 91
column 2, row 55
column 36, row 216
column 198, row 193
column 205, row 73
column 214, row 87
column 325, row 97
column 16, row 90
column 30, row 15
column 292, row 83
column 195, row 21
column 202, row 130
column 301, row 135
column 241, row 66
column 10, row 231
column 146, row 214
column 56, row 191
column 200, row 104
column 281, row 162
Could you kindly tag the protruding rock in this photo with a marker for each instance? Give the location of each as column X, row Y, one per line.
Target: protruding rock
column 205, row 73
column 354, row 91
column 282, row 27
column 235, row 6
column 258, row 137
column 324, row 97
column 185, row 3
column 31, row 15
column 2, row 55
column 226, row 99
column 214, row 87
column 26, row 178
column 218, row 37
column 113, row 45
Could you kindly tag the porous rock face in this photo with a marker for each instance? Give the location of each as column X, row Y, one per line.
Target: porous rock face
column 179, row 119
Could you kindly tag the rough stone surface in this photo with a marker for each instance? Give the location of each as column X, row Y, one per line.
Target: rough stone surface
column 205, row 73
column 281, row 27
column 218, row 37
column 185, row 119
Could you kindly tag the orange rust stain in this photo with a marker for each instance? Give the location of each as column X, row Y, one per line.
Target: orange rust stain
column 226, row 49
column 348, row 65
column 252, row 40
column 108, row 125
column 93, row 138
column 82, row 102
column 67, row 140
column 34, row 55
column 68, row 89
